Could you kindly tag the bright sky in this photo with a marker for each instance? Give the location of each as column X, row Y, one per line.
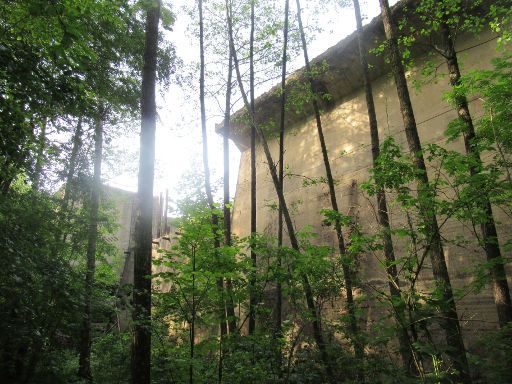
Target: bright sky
column 178, row 146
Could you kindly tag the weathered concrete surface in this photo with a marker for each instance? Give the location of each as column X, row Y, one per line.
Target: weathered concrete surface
column 348, row 140
column 124, row 203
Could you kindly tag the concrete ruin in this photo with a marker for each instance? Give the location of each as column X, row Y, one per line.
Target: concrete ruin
column 347, row 135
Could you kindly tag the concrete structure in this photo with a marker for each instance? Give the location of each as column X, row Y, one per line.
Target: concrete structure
column 347, row 136
column 124, row 203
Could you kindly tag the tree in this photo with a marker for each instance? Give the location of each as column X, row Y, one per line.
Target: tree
column 448, row 309
column 52, row 61
column 84, row 370
column 38, row 169
column 190, row 278
column 141, row 345
column 253, row 299
column 382, row 207
column 58, row 66
column 279, row 291
column 227, row 205
column 315, row 321
column 70, row 174
column 446, row 16
column 208, row 189
column 347, row 272
column 230, row 307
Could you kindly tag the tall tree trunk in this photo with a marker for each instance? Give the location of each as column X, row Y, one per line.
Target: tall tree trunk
column 84, row 370
column 207, row 184
column 192, row 320
column 166, row 227
column 230, row 306
column 488, row 226
column 209, row 196
column 41, row 145
column 141, row 347
column 252, row 277
column 225, row 138
column 348, row 273
column 278, row 331
column 77, row 143
column 225, row 142
column 279, row 290
column 449, row 321
column 382, row 207
column 308, row 293
column 214, row 217
column 227, row 209
column 62, row 231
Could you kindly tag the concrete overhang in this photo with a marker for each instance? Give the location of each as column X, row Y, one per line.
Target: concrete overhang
column 340, row 79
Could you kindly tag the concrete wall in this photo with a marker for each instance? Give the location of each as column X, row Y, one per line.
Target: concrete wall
column 124, row 203
column 348, row 141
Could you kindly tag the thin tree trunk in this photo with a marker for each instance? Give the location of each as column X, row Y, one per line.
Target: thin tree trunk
column 348, row 274
column 252, row 277
column 166, row 227
column 193, row 319
column 279, row 291
column 225, row 141
column 450, row 321
column 84, row 370
column 207, row 185
column 226, row 132
column 64, row 206
column 77, row 143
column 214, row 217
column 315, row 320
column 41, row 145
column 488, row 226
column 141, row 347
column 62, row 232
column 230, row 306
column 227, row 209
column 382, row 208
